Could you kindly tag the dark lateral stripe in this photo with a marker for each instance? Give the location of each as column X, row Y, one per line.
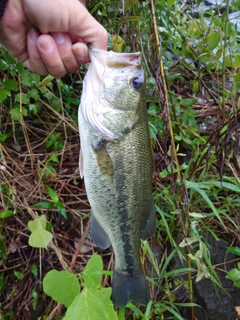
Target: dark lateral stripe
column 122, row 202
column 2, row 7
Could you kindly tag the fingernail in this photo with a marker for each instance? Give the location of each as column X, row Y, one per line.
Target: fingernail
column 46, row 46
column 33, row 35
column 59, row 37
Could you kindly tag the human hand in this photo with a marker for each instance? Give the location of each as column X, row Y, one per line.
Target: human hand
column 50, row 36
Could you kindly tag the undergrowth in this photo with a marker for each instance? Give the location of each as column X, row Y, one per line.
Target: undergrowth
column 193, row 81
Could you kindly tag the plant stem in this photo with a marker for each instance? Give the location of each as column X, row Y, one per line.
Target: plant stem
column 162, row 73
column 223, row 65
column 121, row 313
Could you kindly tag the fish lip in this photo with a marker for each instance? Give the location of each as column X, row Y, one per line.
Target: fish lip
column 114, row 59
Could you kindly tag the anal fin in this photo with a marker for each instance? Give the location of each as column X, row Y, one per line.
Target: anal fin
column 150, row 224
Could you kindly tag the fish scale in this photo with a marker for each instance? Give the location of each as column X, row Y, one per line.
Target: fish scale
column 117, row 167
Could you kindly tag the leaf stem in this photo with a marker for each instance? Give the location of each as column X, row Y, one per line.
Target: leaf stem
column 121, row 313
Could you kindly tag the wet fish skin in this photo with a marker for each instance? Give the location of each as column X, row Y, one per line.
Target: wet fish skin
column 116, row 162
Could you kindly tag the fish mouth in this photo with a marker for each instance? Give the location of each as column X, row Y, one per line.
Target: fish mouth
column 102, row 59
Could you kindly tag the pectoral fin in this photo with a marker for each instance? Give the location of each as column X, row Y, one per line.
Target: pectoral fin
column 99, row 236
column 150, row 224
column 104, row 161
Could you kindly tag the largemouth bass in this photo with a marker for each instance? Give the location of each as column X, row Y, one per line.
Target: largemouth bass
column 116, row 162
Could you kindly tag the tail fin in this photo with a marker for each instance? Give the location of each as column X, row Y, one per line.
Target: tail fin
column 126, row 288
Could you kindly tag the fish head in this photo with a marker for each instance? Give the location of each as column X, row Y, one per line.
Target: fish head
column 113, row 93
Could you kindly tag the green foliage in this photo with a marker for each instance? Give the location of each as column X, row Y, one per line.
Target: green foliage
column 234, row 274
column 93, row 302
column 55, row 204
column 40, row 237
column 62, row 286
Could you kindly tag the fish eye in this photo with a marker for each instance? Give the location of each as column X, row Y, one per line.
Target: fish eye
column 136, row 83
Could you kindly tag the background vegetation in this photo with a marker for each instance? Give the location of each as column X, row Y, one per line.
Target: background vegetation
column 193, row 81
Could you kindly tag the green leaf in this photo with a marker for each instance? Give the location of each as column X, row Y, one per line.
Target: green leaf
column 223, row 184
column 170, row 3
column 61, row 209
column 128, row 4
column 237, row 284
column 92, row 274
column 234, row 250
column 40, row 222
column 53, row 195
column 16, row 113
column 34, row 93
column 5, row 214
column 92, row 304
column 3, row 65
column 34, row 270
column 44, row 205
column 23, row 97
column 46, row 80
column 3, row 94
column 4, row 136
column 198, row 187
column 40, row 238
column 3, row 255
column 188, row 102
column 18, row 274
column 213, row 39
column 62, row 286
column 11, row 85
column 233, row 274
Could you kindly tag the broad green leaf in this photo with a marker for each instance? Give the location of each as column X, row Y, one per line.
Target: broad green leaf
column 3, row 65
column 18, row 274
column 92, row 304
column 23, row 97
column 128, row 4
column 117, row 43
column 53, row 195
column 234, row 250
column 40, row 238
column 34, row 93
column 62, row 286
column 3, row 94
column 11, row 85
column 40, row 222
column 213, row 39
column 4, row 136
column 170, row 3
column 233, row 274
column 237, row 284
column 5, row 214
column 188, row 102
column 92, row 274
column 16, row 113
